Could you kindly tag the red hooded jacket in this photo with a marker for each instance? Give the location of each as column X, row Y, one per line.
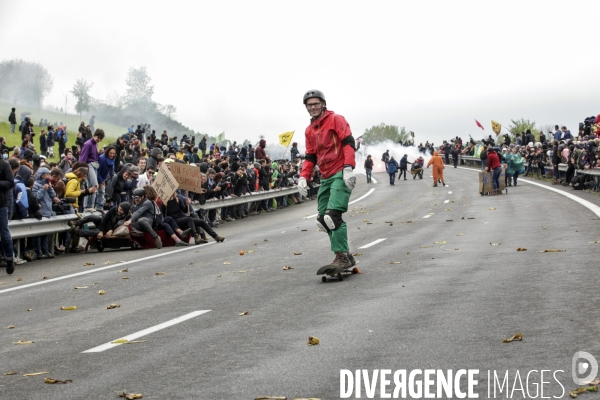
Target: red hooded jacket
column 324, row 140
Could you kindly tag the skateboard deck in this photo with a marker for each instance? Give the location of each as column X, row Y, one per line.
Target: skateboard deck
column 331, row 271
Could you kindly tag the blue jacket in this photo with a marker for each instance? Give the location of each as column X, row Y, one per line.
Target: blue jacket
column 20, row 195
column 557, row 135
column 392, row 166
column 43, row 196
column 106, row 168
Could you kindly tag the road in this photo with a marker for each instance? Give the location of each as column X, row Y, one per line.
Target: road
column 441, row 291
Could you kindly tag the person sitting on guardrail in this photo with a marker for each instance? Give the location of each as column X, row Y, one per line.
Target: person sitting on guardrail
column 177, row 208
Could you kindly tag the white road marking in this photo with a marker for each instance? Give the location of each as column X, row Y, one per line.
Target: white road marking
column 446, row 201
column 102, row 268
column 372, row 243
column 373, row 179
column 352, row 202
column 147, row 331
column 590, row 206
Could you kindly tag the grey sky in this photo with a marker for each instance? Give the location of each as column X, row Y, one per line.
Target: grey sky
column 243, row 66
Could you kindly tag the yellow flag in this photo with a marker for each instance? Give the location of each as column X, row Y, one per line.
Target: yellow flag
column 496, row 127
column 286, row 138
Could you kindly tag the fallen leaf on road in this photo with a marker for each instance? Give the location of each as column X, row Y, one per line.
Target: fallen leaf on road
column 578, row 391
column 124, row 270
column 287, row 267
column 10, row 327
column 19, row 279
column 120, row 341
column 135, row 341
column 240, row 272
column 517, row 337
column 460, row 234
column 521, row 249
column 81, row 287
column 312, row 341
column 304, row 230
column 125, row 277
column 470, row 218
column 108, row 263
column 242, row 252
column 355, row 270
column 396, row 262
column 36, row 373
column 251, row 251
column 160, row 273
column 448, row 209
column 366, row 220
column 552, row 251
column 266, row 240
column 10, row 373
column 24, row 342
column 244, row 313
column 597, row 241
column 69, row 308
column 29, row 309
column 442, row 242
column 218, row 276
column 52, row 380
column 114, row 305
column 357, row 254
column 492, row 208
column 226, row 263
column 87, row 264
column 190, row 263
column 297, row 254
column 46, row 277
column 593, row 382
column 101, row 292
column 130, row 396
column 495, row 244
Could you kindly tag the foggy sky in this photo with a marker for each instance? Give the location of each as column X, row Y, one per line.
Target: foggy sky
column 243, row 66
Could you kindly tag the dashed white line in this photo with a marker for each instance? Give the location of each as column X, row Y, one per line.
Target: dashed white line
column 352, row 202
column 147, row 331
column 372, row 243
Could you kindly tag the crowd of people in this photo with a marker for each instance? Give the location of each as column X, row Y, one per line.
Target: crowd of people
column 114, row 183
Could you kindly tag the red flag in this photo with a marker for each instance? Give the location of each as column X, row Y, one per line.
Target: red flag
column 479, row 125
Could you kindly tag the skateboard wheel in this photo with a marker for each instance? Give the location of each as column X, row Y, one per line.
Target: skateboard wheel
column 340, row 277
column 323, row 279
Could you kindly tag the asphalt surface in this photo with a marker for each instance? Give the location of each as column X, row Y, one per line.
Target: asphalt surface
column 440, row 292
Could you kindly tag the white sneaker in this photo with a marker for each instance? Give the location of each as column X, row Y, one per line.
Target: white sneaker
column 19, row 261
column 61, row 247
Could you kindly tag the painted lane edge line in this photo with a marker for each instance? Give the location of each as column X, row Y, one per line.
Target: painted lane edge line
column 146, row 331
column 101, row 268
column 366, row 246
column 590, row 206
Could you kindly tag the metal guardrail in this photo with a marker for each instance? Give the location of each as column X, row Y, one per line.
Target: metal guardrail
column 561, row 167
column 20, row 229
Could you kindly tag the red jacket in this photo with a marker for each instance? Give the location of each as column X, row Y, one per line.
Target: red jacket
column 324, row 140
column 493, row 161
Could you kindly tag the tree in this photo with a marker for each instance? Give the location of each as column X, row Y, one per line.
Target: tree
column 25, row 82
column 168, row 110
column 81, row 91
column 521, row 125
column 139, row 92
column 382, row 132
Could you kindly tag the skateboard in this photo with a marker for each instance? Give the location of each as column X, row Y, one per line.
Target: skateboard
column 328, row 270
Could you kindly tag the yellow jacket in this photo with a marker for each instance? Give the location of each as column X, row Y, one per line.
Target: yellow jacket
column 73, row 188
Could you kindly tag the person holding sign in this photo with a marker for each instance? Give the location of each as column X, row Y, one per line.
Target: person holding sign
column 330, row 145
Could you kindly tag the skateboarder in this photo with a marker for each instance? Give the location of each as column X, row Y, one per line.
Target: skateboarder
column 329, row 144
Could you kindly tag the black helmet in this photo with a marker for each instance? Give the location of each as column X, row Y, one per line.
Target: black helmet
column 139, row 192
column 314, row 93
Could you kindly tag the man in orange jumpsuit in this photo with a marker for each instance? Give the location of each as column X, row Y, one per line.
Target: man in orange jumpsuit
column 438, row 168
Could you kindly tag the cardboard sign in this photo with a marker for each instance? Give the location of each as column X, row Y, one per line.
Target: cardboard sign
column 165, row 184
column 187, row 176
column 485, row 181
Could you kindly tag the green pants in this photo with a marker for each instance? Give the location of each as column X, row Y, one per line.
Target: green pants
column 334, row 195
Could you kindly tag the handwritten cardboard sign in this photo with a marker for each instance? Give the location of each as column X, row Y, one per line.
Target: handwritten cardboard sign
column 187, row 176
column 165, row 184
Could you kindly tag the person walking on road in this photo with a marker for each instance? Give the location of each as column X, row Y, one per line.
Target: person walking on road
column 331, row 146
column 438, row 168
column 392, row 168
column 368, row 168
column 403, row 166
column 493, row 165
